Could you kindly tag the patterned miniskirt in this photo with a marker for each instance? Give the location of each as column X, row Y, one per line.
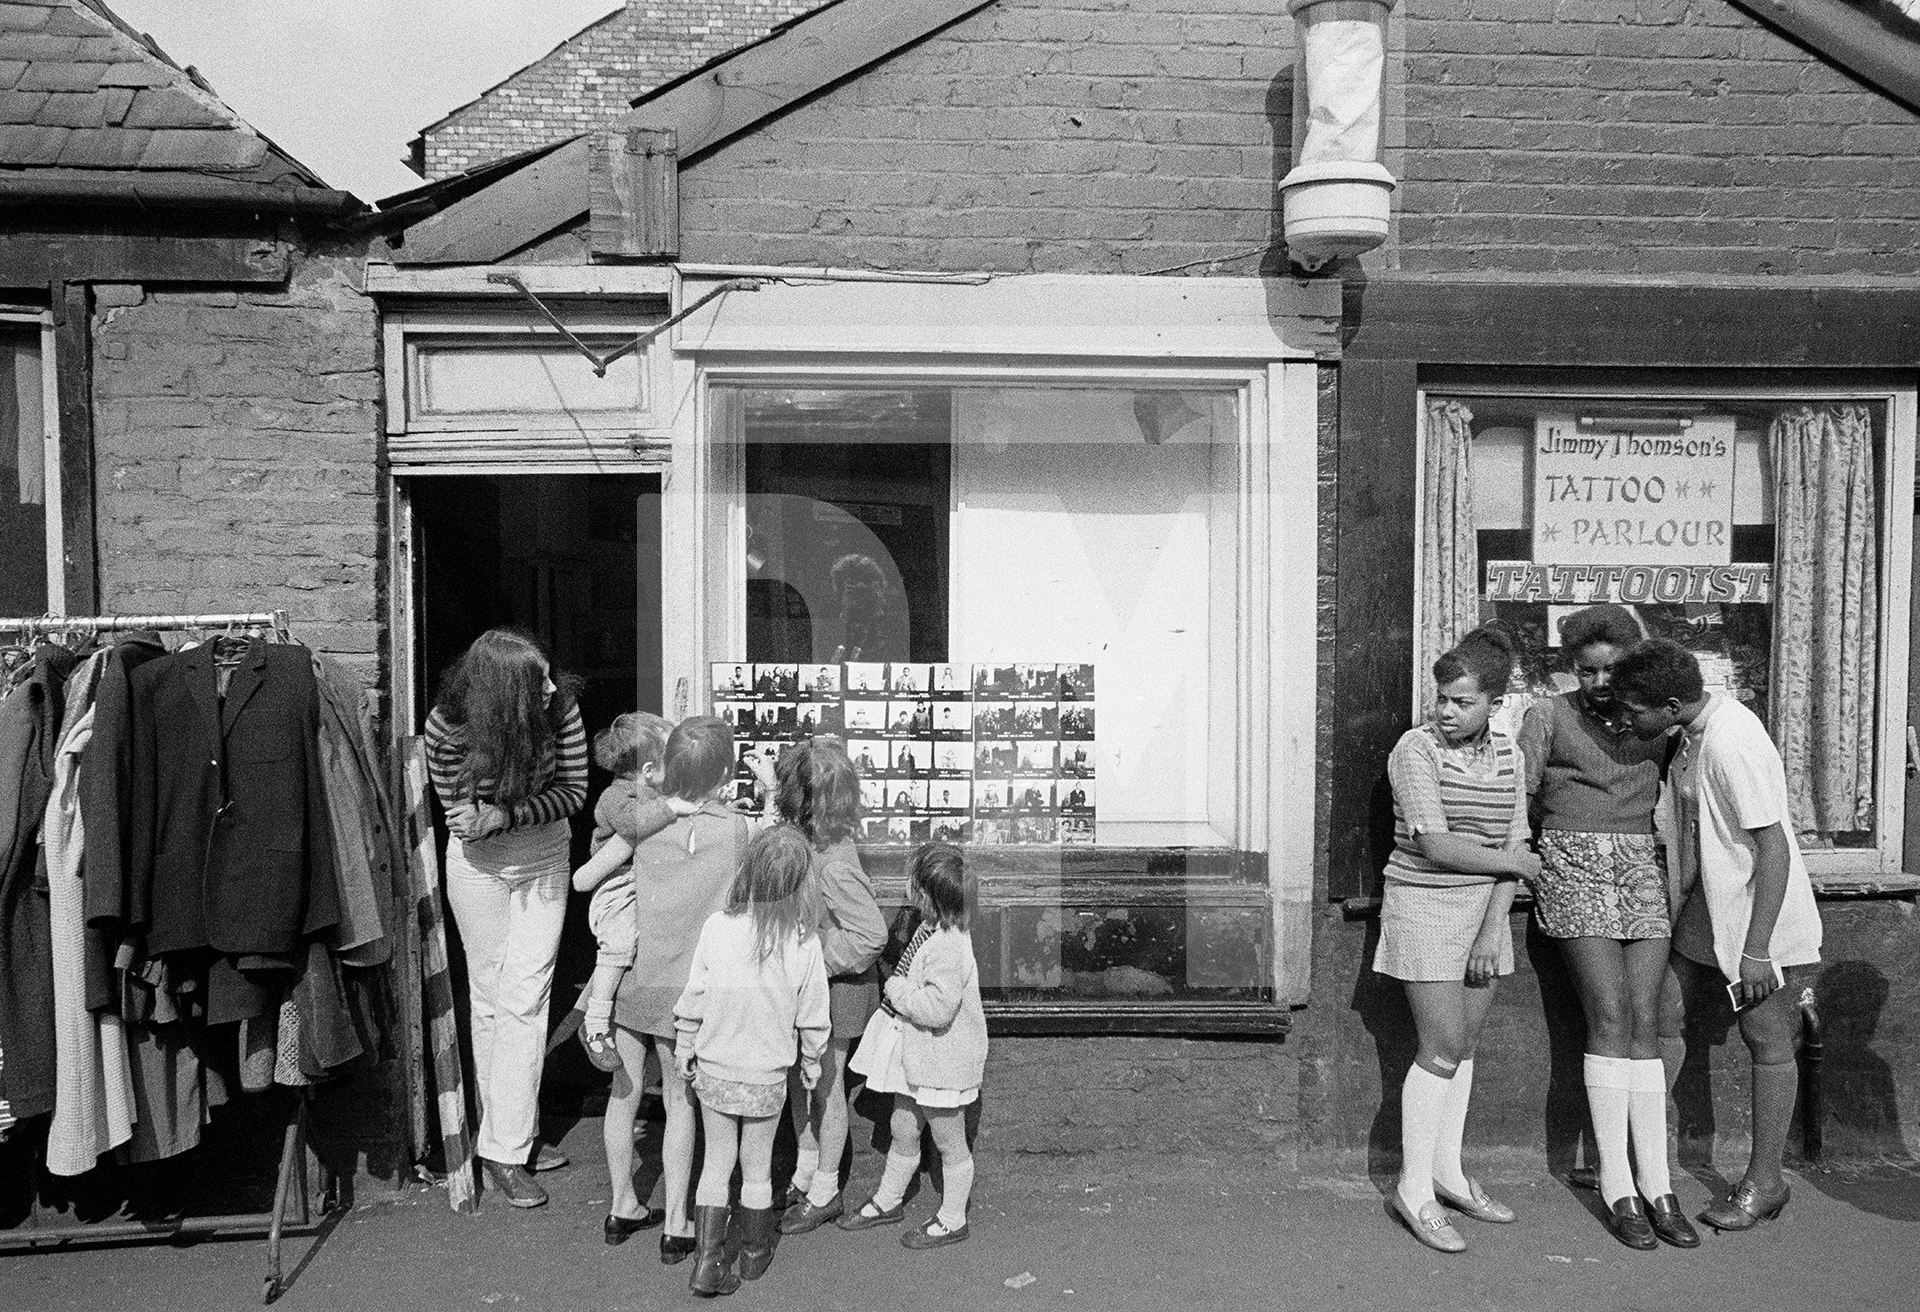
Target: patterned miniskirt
column 736, row 1098
column 1602, row 886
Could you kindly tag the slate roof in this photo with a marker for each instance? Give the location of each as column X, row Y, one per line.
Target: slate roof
column 83, row 97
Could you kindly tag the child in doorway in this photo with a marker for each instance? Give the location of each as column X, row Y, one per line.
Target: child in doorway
column 928, row 1047
column 755, row 1000
column 628, row 811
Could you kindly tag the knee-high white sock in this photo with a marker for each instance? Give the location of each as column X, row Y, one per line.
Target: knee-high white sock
column 956, row 1179
column 1647, row 1117
column 1448, row 1173
column 901, row 1167
column 1609, row 1091
column 1423, row 1103
column 1673, row 1055
column 804, row 1166
column 756, row 1194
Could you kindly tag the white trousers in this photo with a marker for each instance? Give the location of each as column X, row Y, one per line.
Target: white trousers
column 509, row 897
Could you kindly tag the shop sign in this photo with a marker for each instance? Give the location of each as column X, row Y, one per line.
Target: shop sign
column 1630, row 585
column 1630, row 491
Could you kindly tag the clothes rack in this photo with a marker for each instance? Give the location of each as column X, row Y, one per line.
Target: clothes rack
column 291, row 1177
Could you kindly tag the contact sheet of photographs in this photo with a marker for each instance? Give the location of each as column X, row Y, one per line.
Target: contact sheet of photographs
column 984, row 754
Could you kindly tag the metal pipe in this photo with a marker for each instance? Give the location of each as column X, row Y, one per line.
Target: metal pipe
column 277, row 619
column 827, row 273
column 601, row 362
column 255, row 1223
column 1812, row 1101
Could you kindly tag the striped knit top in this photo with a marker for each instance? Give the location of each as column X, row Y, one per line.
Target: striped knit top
column 1474, row 789
column 560, row 782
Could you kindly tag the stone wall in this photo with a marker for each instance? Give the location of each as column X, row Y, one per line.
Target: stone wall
column 236, row 433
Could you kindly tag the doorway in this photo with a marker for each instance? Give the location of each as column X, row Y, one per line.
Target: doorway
column 573, row 559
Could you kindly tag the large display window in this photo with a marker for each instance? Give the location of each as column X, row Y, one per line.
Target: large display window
column 1768, row 532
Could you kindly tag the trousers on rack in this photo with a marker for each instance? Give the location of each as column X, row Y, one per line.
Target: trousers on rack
column 508, row 894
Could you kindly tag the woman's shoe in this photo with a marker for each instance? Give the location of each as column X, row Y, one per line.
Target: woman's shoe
column 1628, row 1221
column 1670, row 1223
column 922, row 1236
column 1746, row 1207
column 806, row 1215
column 760, row 1227
column 861, row 1219
column 619, row 1229
column 711, row 1275
column 675, row 1249
column 1475, row 1203
column 1429, row 1225
column 514, row 1182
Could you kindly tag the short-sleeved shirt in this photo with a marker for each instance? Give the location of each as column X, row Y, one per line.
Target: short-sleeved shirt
column 1472, row 789
column 1728, row 779
column 1586, row 774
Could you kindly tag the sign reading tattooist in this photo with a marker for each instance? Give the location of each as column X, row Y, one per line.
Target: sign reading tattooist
column 1632, row 491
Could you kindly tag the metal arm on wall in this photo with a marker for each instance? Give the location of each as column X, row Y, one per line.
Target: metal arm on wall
column 602, row 362
column 260, row 619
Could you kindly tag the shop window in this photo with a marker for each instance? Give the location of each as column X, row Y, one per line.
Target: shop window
column 1021, row 608
column 29, row 475
column 1758, row 531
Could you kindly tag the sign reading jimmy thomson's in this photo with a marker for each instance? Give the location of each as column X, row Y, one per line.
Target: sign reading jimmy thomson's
column 1632, row 511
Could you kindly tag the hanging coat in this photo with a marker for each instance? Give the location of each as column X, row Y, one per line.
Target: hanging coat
column 231, row 842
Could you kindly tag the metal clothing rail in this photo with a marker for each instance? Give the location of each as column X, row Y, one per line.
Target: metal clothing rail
column 276, row 619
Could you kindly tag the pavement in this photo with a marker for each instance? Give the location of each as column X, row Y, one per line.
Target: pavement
column 1104, row 1232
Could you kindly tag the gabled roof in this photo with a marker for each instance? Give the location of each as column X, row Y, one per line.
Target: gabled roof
column 91, row 112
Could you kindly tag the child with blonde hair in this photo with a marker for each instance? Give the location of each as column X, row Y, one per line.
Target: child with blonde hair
column 754, row 1007
column 927, row 1046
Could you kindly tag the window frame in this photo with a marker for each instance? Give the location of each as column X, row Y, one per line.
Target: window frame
column 1897, row 490
column 53, row 507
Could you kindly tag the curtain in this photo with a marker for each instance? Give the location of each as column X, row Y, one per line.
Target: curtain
column 20, row 417
column 1449, row 555
column 1826, row 603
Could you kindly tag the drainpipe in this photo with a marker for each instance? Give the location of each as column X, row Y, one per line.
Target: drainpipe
column 1337, row 200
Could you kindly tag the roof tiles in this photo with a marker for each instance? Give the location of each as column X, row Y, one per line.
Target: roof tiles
column 80, row 89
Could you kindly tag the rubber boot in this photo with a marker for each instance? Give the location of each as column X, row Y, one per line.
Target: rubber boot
column 762, row 1229
column 710, row 1273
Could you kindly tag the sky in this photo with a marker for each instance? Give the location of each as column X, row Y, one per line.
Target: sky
column 343, row 85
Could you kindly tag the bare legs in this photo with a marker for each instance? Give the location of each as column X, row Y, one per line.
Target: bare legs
column 903, row 1159
column 746, row 1141
column 1770, row 1031
column 1447, row 1015
column 1619, row 987
column 676, row 1145
column 820, row 1122
column 616, row 1131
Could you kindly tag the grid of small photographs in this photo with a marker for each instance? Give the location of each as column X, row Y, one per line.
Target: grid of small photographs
column 988, row 754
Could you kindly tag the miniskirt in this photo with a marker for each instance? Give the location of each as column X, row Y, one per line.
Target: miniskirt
column 1601, row 885
column 1427, row 933
column 881, row 1058
column 738, row 1098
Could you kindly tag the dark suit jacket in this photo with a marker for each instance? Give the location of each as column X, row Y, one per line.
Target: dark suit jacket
column 231, row 843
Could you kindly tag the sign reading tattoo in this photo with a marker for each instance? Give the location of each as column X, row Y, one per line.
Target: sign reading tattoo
column 1631, row 491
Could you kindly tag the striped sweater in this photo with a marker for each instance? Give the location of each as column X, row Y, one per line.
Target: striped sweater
column 560, row 783
column 1473, row 789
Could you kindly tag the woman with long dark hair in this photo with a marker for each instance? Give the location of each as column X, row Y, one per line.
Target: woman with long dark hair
column 508, row 755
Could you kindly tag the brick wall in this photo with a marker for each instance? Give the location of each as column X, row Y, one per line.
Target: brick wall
column 596, row 75
column 1037, row 135
column 235, row 439
column 1645, row 136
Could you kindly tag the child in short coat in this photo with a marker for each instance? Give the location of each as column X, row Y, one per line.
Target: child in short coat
column 928, row 1047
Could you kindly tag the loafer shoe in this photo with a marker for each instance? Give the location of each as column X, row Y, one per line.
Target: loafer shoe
column 514, row 1182
column 1628, row 1221
column 1584, row 1177
column 922, row 1236
column 858, row 1219
column 675, row 1249
column 547, row 1158
column 1670, row 1223
column 1746, row 1206
column 1429, row 1225
column 1475, row 1203
column 805, row 1216
column 619, row 1229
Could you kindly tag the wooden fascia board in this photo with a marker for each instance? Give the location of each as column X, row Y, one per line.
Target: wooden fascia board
column 1872, row 42
column 35, row 259
column 712, row 106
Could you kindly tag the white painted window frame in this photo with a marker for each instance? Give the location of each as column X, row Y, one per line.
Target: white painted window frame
column 1896, row 578
column 54, row 506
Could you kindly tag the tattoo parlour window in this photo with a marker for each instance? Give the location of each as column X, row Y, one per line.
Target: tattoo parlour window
column 1753, row 530
column 1019, row 607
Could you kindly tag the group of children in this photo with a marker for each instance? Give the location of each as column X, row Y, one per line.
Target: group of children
column 744, row 954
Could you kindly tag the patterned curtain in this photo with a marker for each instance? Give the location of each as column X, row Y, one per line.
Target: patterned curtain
column 1449, row 555
column 1826, row 603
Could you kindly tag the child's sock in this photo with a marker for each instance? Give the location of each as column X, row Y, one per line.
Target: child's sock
column 1609, row 1091
column 804, row 1167
column 892, row 1190
column 1423, row 1100
column 1673, row 1055
column 756, row 1195
column 1447, row 1171
column 825, row 1185
column 1647, row 1118
column 957, row 1181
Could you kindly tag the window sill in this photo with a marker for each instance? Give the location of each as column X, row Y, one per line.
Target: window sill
column 1182, row 1019
column 1837, row 887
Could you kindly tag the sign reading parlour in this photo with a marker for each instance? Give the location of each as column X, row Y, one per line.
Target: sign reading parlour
column 1634, row 511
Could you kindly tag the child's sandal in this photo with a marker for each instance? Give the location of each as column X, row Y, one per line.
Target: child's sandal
column 867, row 1216
column 600, row 1050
